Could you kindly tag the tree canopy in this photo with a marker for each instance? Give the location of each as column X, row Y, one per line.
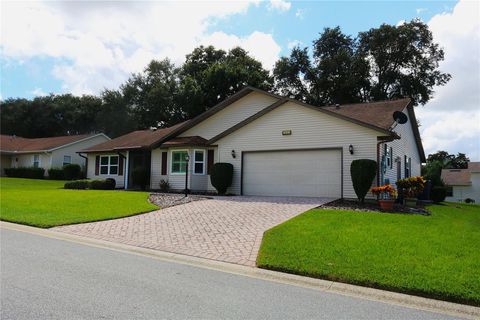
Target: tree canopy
column 382, row 63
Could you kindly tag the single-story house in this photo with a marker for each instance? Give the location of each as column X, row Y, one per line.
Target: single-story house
column 53, row 152
column 463, row 183
column 278, row 146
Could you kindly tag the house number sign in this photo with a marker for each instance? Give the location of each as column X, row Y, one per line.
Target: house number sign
column 286, row 132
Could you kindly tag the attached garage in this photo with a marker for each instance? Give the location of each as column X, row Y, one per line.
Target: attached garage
column 298, row 173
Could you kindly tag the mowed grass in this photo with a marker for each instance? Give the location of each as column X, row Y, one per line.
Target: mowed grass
column 436, row 256
column 43, row 203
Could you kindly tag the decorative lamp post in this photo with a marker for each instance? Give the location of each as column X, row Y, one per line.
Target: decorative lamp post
column 187, row 158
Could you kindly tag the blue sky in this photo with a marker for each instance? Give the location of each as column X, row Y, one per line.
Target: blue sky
column 85, row 47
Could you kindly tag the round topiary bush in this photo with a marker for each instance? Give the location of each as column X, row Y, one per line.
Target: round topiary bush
column 363, row 172
column 438, row 194
column 221, row 176
column 110, row 184
column 72, row 171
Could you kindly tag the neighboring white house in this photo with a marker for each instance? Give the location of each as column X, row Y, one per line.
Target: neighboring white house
column 53, row 152
column 278, row 147
column 463, row 183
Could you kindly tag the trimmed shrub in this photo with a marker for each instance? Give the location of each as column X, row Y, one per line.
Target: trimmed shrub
column 77, row 184
column 140, row 177
column 363, row 172
column 110, row 183
column 438, row 194
column 469, row 200
column 98, row 185
column 221, row 176
column 56, row 174
column 25, row 172
column 164, row 185
column 72, row 171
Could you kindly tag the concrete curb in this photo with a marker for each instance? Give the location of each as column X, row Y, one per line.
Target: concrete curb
column 454, row 309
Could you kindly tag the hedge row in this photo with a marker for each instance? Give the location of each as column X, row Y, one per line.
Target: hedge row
column 68, row 172
column 107, row 184
column 24, row 172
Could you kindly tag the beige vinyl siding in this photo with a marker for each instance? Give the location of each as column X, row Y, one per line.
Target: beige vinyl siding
column 311, row 129
column 26, row 160
column 71, row 150
column 196, row 182
column 231, row 115
column 406, row 146
column 120, row 180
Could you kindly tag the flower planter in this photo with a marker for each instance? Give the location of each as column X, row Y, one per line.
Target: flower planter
column 386, row 205
column 411, row 202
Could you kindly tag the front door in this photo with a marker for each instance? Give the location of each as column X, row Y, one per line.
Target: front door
column 139, row 169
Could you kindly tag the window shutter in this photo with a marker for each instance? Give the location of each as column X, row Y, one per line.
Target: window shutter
column 164, row 163
column 120, row 165
column 97, row 165
column 406, row 166
column 210, row 160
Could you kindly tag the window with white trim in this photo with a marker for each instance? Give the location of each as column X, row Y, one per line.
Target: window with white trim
column 387, row 156
column 199, row 162
column 179, row 161
column 67, row 160
column 391, row 157
column 408, row 167
column 108, row 164
column 36, row 160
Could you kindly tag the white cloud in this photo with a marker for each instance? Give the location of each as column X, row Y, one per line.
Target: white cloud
column 260, row 45
column 420, row 10
column 451, row 121
column 279, row 5
column 98, row 44
column 300, row 13
column 38, row 92
column 293, row 44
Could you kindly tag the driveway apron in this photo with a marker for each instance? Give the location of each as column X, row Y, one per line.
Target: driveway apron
column 228, row 229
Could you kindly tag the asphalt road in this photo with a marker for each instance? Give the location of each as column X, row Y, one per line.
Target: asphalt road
column 45, row 278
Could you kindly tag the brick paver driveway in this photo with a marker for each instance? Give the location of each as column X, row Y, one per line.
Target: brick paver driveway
column 224, row 228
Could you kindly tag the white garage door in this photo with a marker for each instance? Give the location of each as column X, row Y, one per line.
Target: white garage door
column 312, row 173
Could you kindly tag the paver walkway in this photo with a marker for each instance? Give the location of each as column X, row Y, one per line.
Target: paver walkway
column 225, row 229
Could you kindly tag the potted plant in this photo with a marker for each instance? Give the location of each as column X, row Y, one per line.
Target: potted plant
column 410, row 188
column 386, row 196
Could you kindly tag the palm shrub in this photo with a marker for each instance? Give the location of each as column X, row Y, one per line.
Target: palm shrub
column 438, row 194
column 363, row 172
column 221, row 176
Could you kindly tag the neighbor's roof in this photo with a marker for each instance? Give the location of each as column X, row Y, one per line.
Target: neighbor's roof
column 139, row 139
column 460, row 177
column 378, row 114
column 456, row 177
column 14, row 144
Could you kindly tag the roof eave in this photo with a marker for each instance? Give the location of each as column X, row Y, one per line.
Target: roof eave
column 218, row 107
column 416, row 132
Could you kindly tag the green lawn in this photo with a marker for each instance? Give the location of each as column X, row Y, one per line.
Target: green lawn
column 43, row 203
column 436, row 256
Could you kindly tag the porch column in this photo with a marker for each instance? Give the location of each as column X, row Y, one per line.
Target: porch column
column 126, row 169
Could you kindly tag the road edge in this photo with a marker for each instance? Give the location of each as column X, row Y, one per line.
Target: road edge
column 405, row 300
